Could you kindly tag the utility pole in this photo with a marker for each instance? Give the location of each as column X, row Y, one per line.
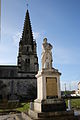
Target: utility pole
column 70, row 86
column 65, row 87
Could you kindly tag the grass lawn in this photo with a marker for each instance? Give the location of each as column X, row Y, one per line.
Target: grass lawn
column 75, row 103
column 25, row 107
column 22, row 108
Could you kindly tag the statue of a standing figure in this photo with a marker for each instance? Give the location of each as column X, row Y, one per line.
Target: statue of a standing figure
column 46, row 55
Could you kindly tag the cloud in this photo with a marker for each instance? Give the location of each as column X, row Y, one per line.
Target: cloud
column 36, row 35
column 7, row 54
column 61, row 55
column 65, row 55
column 3, row 54
column 16, row 38
column 72, row 85
column 3, row 48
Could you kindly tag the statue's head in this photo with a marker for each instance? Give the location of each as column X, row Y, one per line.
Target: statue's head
column 45, row 40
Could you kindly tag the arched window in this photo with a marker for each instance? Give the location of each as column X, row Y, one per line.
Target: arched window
column 28, row 61
column 12, row 73
column 27, row 64
column 27, row 31
column 27, row 48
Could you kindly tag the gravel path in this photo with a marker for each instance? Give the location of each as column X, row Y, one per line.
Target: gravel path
column 18, row 116
column 8, row 117
column 76, row 112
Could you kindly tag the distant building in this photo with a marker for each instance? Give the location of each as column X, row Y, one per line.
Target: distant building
column 20, row 80
column 79, row 88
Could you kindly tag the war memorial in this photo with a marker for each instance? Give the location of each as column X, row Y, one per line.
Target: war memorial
column 49, row 105
column 20, row 80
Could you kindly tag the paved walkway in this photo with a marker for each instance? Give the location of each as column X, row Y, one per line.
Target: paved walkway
column 19, row 117
column 76, row 112
column 8, row 117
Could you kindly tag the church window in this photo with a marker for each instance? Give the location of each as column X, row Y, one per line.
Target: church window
column 28, row 61
column 27, row 38
column 27, row 48
column 18, row 87
column 27, row 64
column 0, row 72
column 11, row 73
column 27, row 31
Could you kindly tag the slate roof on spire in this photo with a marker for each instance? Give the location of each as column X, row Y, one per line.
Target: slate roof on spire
column 27, row 35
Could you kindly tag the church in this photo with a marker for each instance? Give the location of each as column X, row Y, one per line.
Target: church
column 19, row 81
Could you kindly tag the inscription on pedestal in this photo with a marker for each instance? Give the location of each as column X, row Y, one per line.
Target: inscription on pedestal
column 51, row 87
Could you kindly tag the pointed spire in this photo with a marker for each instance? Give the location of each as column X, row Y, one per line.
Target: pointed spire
column 27, row 36
column 27, row 49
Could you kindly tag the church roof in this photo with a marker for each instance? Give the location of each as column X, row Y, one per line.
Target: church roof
column 27, row 35
column 8, row 71
column 11, row 72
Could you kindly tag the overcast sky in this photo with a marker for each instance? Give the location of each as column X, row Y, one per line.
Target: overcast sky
column 58, row 20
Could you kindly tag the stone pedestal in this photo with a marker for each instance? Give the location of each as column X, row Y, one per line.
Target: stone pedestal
column 48, row 84
column 60, row 115
column 48, row 91
column 49, row 105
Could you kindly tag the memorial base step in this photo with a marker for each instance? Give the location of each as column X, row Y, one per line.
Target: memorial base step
column 63, row 115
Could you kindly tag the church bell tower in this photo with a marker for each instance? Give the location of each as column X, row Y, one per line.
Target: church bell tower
column 27, row 56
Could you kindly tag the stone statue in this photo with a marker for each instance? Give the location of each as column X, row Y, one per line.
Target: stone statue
column 46, row 55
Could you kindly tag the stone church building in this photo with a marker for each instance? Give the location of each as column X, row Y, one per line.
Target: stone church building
column 19, row 82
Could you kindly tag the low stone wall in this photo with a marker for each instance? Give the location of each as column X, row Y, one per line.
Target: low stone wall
column 22, row 88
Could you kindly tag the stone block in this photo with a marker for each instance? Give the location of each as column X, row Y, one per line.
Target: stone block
column 49, row 106
column 66, row 115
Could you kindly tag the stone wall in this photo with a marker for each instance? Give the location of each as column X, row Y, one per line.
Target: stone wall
column 23, row 88
column 8, row 71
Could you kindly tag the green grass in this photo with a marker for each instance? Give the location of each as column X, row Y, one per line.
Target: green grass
column 21, row 108
column 75, row 103
column 25, row 107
